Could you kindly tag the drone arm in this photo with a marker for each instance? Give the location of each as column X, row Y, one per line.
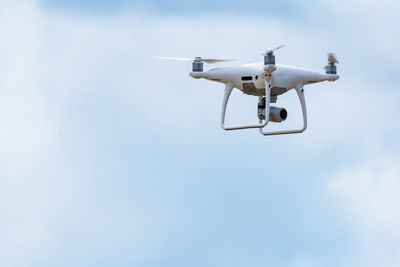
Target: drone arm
column 228, row 91
column 300, row 93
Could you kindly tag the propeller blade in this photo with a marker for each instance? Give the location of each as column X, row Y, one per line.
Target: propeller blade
column 332, row 58
column 216, row 60
column 272, row 50
column 175, row 58
column 206, row 60
column 279, row 47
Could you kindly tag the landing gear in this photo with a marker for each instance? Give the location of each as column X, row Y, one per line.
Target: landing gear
column 283, row 114
column 228, row 90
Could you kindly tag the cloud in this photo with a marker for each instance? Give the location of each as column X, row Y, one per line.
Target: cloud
column 25, row 133
column 23, row 117
column 369, row 195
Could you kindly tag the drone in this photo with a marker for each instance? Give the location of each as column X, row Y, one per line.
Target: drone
column 266, row 81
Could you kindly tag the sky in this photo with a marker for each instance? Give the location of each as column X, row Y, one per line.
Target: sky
column 109, row 157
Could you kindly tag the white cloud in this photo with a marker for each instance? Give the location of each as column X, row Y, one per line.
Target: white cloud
column 25, row 135
column 369, row 194
column 23, row 118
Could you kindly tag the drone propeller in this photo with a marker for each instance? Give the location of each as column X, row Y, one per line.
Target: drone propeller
column 175, row 58
column 270, row 52
column 331, row 67
column 196, row 59
column 332, row 58
column 269, row 60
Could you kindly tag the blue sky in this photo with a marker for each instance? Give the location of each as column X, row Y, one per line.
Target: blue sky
column 108, row 157
column 186, row 8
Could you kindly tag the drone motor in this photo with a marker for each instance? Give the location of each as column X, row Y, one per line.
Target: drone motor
column 269, row 60
column 197, row 64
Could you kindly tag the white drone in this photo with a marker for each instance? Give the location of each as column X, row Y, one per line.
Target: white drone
column 266, row 81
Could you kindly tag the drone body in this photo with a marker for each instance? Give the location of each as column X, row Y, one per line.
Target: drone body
column 250, row 80
column 266, row 81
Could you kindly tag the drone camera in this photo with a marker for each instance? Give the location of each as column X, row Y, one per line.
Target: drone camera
column 275, row 114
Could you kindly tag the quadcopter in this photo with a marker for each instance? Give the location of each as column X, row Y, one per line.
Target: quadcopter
column 266, row 81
